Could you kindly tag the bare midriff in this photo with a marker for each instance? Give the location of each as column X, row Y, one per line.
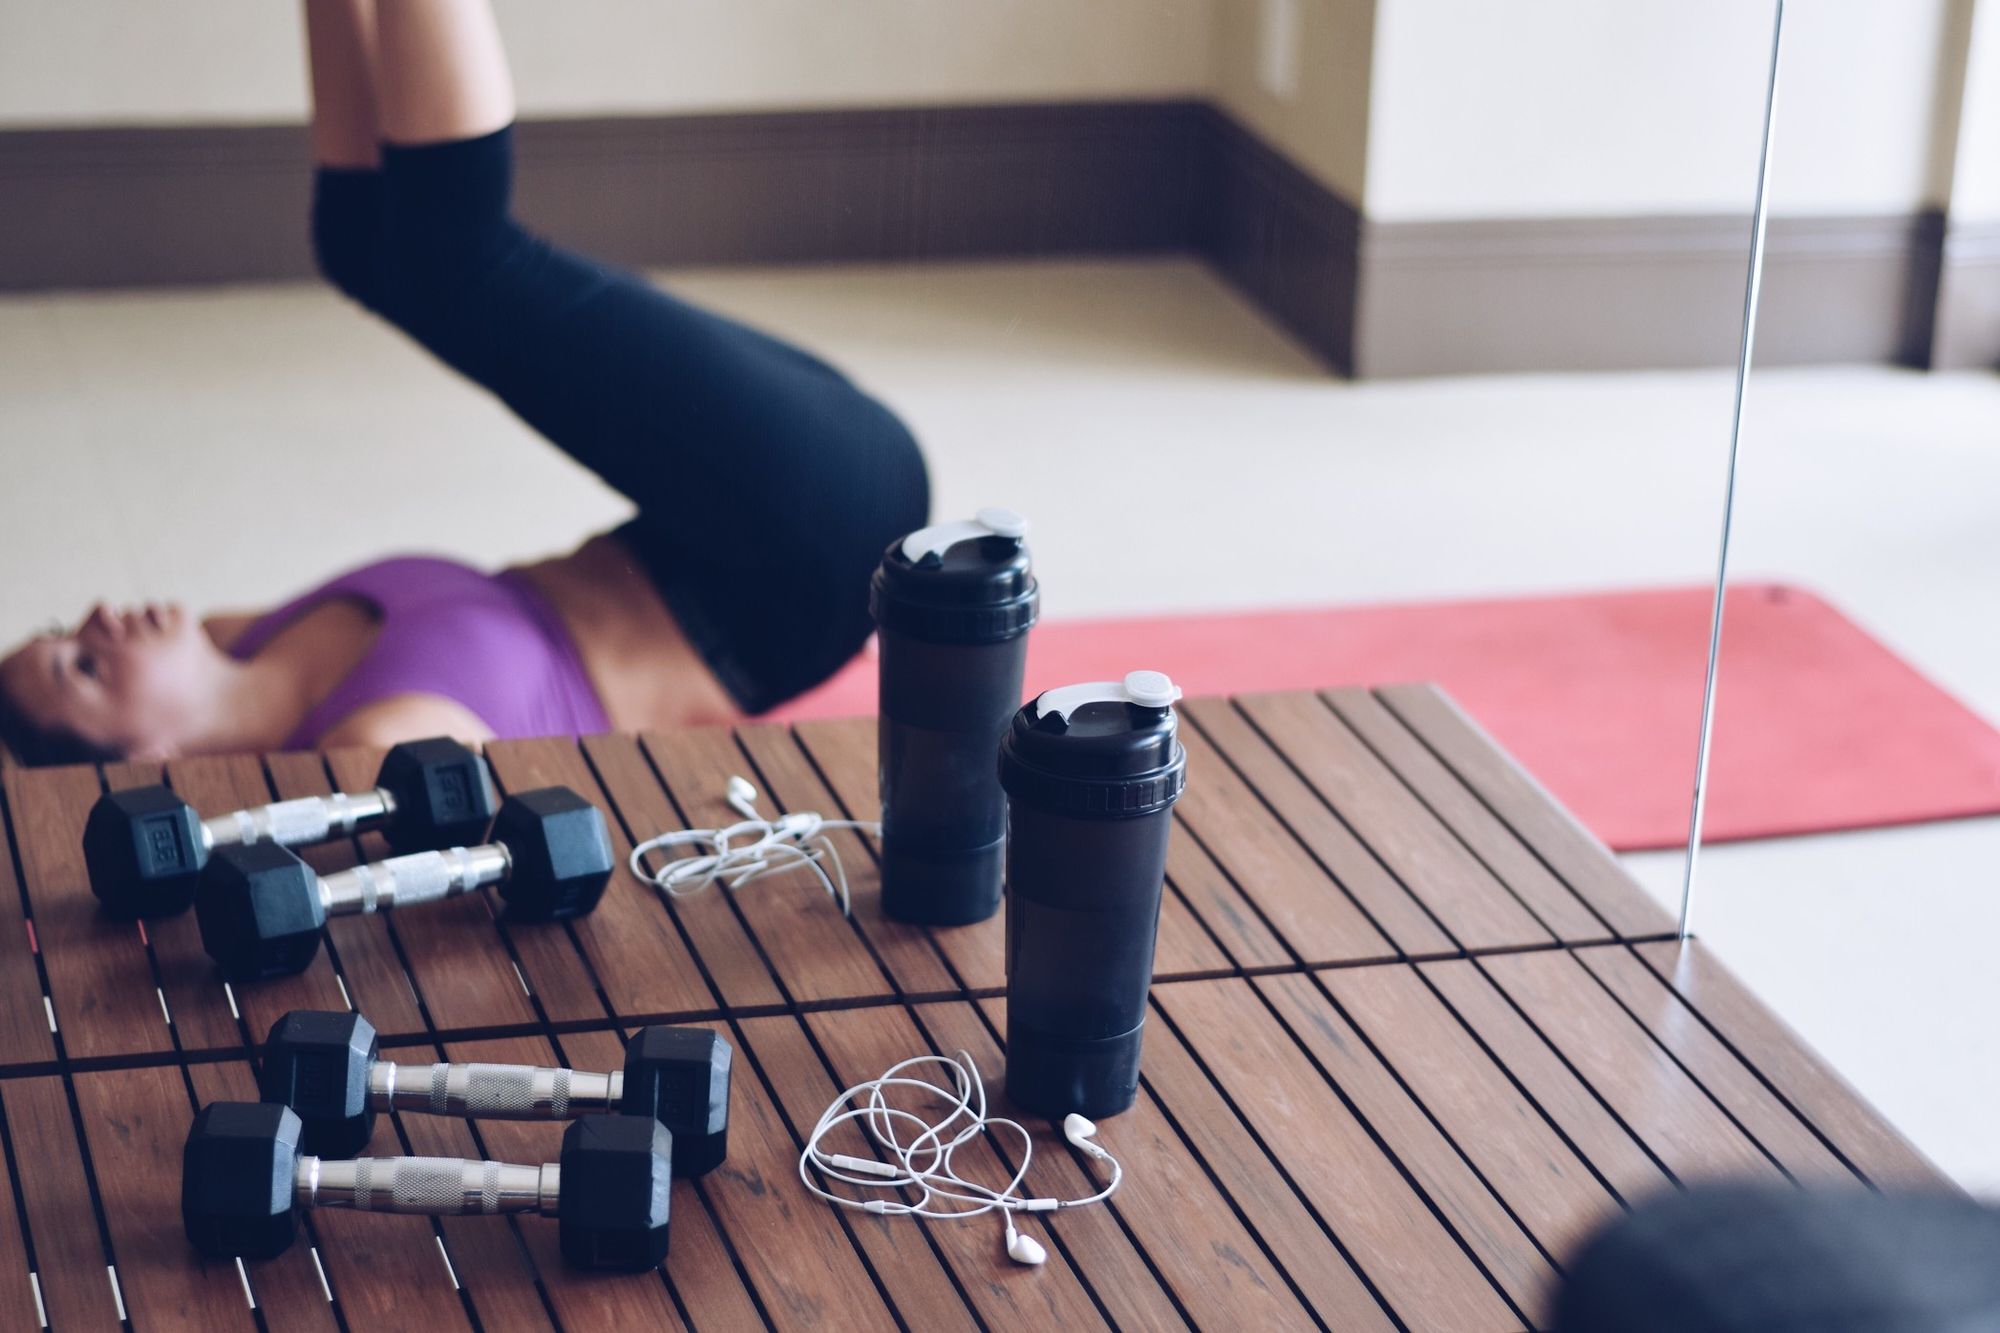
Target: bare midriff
column 645, row 672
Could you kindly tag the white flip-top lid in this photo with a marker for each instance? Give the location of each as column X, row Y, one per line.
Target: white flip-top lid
column 1148, row 689
column 993, row 521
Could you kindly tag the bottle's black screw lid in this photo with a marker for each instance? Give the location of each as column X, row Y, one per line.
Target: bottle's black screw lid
column 1106, row 748
column 968, row 581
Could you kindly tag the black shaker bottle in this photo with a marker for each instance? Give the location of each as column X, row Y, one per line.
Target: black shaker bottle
column 954, row 603
column 1091, row 774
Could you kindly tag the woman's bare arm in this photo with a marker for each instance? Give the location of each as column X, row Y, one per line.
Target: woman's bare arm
column 406, row 717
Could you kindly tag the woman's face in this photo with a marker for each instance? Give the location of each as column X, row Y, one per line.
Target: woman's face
column 134, row 682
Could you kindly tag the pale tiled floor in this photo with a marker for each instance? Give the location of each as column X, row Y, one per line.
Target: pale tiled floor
column 229, row 446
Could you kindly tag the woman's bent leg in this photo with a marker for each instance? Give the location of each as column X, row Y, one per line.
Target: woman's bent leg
column 346, row 145
column 768, row 484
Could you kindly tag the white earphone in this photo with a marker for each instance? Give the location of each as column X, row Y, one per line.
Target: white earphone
column 924, row 1162
column 787, row 843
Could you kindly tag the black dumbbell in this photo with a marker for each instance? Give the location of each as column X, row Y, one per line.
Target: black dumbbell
column 325, row 1067
column 261, row 908
column 244, row 1183
column 145, row 847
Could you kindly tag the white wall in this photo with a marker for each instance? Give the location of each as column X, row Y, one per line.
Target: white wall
column 1297, row 73
column 1417, row 108
column 79, row 62
column 1975, row 194
column 1609, row 107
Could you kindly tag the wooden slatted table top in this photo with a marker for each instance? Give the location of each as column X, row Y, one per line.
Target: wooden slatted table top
column 1414, row 1033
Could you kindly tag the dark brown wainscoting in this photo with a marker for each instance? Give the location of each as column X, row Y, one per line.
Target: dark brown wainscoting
column 1557, row 294
column 1968, row 306
column 136, row 207
column 168, row 206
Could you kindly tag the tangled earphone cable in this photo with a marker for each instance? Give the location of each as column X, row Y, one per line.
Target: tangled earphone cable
column 924, row 1163
column 786, row 843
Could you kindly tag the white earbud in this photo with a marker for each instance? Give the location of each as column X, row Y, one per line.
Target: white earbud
column 750, row 849
column 1079, row 1132
column 743, row 797
column 1024, row 1249
column 917, row 1152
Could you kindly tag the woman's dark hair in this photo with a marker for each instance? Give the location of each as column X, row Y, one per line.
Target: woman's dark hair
column 33, row 744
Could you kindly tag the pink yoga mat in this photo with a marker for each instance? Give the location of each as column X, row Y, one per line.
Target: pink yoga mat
column 1818, row 725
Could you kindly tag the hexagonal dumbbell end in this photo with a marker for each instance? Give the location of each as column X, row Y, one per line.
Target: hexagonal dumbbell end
column 617, row 1171
column 443, row 793
column 560, row 853
column 237, row 1173
column 260, row 912
column 317, row 1064
column 680, row 1077
column 144, row 849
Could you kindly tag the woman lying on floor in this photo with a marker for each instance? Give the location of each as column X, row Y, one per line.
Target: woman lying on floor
column 767, row 485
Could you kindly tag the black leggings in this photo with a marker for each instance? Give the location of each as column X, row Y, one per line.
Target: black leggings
column 767, row 484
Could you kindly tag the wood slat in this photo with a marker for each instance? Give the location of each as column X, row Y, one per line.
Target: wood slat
column 1239, row 923
column 631, row 943
column 382, row 1267
column 289, row 1288
column 1324, row 1271
column 1214, row 1266
column 1245, row 938
column 1420, row 1268
column 1622, row 1063
column 700, row 1267
column 137, row 1120
column 1699, row 1051
column 489, row 1256
column 1804, row 1080
column 1182, row 945
column 368, row 965
column 24, row 1028
column 1315, row 914
column 790, row 782
column 1601, row 1140
column 100, row 979
column 1261, row 733
column 581, row 1300
column 933, row 1271
column 1327, row 1132
column 815, row 951
column 1564, row 845
column 799, row 1257
column 456, row 955
column 844, row 752
column 214, row 785
column 722, row 946
column 1511, row 1258
column 74, row 1268
column 1520, row 1155
column 17, row 1292
column 1482, row 832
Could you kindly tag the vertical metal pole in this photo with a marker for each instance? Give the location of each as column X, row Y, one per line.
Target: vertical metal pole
column 1752, row 289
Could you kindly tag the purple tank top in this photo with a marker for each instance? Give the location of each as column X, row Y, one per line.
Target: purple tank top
column 487, row 641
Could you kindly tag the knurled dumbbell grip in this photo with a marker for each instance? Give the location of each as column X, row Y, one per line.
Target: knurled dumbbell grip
column 308, row 819
column 420, row 877
column 433, row 1186
column 498, row 1092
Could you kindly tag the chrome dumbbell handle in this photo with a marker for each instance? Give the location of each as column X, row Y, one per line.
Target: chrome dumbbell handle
column 421, row 877
column 308, row 819
column 498, row 1092
column 434, row 1186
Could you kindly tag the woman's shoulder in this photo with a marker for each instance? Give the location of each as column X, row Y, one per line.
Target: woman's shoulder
column 409, row 716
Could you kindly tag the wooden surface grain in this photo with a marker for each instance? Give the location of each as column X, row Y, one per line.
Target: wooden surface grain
column 1413, row 1035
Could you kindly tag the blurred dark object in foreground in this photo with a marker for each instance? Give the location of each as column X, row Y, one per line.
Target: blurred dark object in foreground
column 1738, row 1259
